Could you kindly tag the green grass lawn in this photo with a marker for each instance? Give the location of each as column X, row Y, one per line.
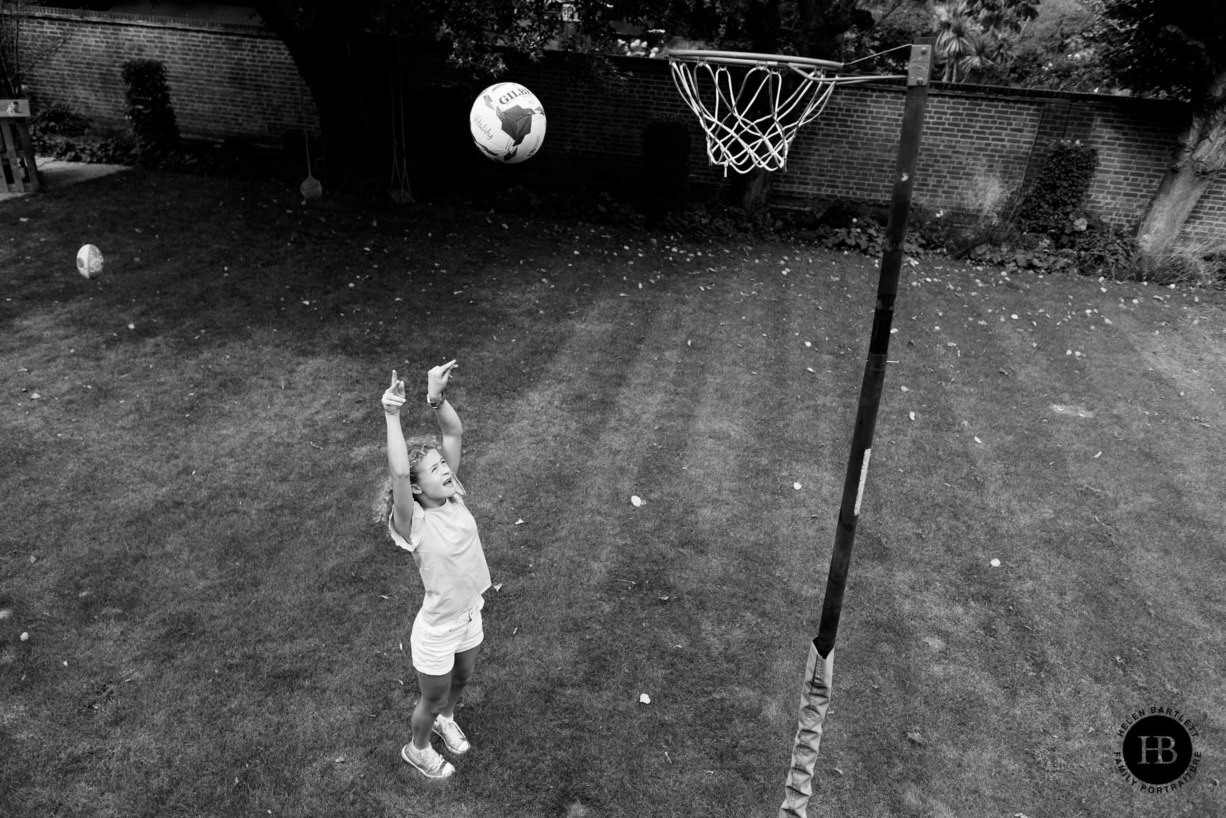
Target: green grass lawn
column 191, row 451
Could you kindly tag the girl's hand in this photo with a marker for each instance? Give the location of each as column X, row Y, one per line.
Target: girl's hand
column 393, row 398
column 438, row 378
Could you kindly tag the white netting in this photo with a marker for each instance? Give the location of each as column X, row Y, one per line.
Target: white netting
column 750, row 122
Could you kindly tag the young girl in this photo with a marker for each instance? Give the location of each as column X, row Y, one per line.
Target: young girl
column 430, row 520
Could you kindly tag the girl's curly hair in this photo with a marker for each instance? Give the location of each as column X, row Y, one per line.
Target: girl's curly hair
column 418, row 447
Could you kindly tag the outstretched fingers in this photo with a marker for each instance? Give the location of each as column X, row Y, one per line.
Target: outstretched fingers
column 393, row 397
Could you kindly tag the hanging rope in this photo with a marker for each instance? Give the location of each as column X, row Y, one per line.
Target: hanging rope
column 906, row 48
column 311, row 188
column 400, row 188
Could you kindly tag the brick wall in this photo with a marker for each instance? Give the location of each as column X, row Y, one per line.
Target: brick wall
column 226, row 80
column 980, row 145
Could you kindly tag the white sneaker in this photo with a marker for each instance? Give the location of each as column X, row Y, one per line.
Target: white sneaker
column 427, row 762
column 451, row 734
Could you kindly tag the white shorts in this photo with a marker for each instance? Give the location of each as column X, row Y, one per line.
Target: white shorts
column 434, row 646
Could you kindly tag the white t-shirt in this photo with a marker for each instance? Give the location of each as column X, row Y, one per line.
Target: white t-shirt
column 447, row 549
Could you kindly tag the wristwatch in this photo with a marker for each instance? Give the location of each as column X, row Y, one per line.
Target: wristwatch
column 435, row 404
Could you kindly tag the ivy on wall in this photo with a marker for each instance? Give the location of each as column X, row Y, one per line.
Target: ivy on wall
column 1059, row 195
column 149, row 109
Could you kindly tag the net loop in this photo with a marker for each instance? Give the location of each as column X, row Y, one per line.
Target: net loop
column 751, row 122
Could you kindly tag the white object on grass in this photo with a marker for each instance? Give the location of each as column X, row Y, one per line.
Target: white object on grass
column 89, row 261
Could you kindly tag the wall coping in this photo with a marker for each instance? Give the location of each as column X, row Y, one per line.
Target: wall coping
column 1011, row 92
column 151, row 21
column 951, row 89
column 936, row 88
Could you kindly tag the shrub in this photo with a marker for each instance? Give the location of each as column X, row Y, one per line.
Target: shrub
column 864, row 237
column 954, row 233
column 1061, row 189
column 56, row 119
column 844, row 213
column 61, row 133
column 1085, row 245
column 1099, row 248
column 149, row 108
column 1193, row 262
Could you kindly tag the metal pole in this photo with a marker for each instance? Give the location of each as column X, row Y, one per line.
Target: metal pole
column 815, row 699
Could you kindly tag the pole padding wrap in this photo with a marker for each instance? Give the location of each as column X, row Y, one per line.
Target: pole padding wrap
column 816, row 697
column 814, row 702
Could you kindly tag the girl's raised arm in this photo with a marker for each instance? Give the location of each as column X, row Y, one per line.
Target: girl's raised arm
column 448, row 421
column 398, row 457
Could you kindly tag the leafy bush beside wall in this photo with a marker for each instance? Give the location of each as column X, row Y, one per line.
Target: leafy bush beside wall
column 149, row 109
column 1061, row 190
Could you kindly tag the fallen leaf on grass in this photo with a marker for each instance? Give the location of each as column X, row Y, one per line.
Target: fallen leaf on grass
column 917, row 739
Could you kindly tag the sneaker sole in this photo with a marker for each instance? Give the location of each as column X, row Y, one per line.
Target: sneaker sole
column 447, row 768
column 450, row 749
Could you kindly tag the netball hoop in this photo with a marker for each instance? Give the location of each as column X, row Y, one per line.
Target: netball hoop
column 751, row 124
column 752, row 105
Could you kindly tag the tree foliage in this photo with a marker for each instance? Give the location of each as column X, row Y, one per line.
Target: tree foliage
column 976, row 37
column 472, row 30
column 1057, row 51
column 1173, row 48
column 1164, row 48
column 17, row 58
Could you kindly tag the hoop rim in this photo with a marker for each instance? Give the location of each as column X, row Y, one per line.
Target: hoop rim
column 748, row 58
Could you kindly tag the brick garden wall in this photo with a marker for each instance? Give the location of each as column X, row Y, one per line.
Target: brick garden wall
column 226, row 80
column 980, row 145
